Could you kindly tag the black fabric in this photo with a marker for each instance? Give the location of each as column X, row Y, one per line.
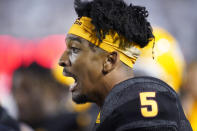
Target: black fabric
column 6, row 122
column 122, row 107
column 60, row 122
column 5, row 128
column 159, row 128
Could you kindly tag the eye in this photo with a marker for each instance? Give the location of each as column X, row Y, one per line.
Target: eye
column 75, row 50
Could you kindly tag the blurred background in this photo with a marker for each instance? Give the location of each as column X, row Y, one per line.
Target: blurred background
column 32, row 38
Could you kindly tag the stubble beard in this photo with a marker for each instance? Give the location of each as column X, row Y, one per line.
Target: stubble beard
column 80, row 98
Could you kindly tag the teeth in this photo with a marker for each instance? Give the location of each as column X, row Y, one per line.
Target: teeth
column 72, row 87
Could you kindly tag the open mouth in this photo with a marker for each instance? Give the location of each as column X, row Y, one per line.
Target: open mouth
column 69, row 74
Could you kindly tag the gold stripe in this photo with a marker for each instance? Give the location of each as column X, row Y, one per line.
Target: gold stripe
column 98, row 121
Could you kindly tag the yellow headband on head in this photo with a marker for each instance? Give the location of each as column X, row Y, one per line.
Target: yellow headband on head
column 85, row 29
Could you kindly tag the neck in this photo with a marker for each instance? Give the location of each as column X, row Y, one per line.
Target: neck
column 110, row 80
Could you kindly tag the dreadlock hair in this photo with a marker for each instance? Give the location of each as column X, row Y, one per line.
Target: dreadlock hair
column 128, row 21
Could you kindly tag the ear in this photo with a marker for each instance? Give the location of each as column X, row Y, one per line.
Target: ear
column 111, row 62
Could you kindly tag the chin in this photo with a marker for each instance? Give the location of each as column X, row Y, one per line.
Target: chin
column 80, row 99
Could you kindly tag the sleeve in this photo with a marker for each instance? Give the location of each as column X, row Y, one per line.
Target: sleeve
column 7, row 122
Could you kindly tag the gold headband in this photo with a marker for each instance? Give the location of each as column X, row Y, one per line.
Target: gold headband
column 85, row 29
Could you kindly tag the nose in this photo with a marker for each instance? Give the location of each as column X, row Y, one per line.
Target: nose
column 64, row 63
column 64, row 60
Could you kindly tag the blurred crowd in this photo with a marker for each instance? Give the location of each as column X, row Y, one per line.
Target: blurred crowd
column 33, row 92
column 44, row 104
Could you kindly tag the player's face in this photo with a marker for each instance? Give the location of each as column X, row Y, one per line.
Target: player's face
column 85, row 66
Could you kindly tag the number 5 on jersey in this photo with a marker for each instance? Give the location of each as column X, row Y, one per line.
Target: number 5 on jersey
column 146, row 101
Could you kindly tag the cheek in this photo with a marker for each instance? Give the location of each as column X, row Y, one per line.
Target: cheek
column 88, row 67
column 93, row 75
column 73, row 58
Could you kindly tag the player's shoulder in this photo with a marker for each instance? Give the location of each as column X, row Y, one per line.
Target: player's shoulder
column 133, row 88
column 142, row 102
column 145, row 83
